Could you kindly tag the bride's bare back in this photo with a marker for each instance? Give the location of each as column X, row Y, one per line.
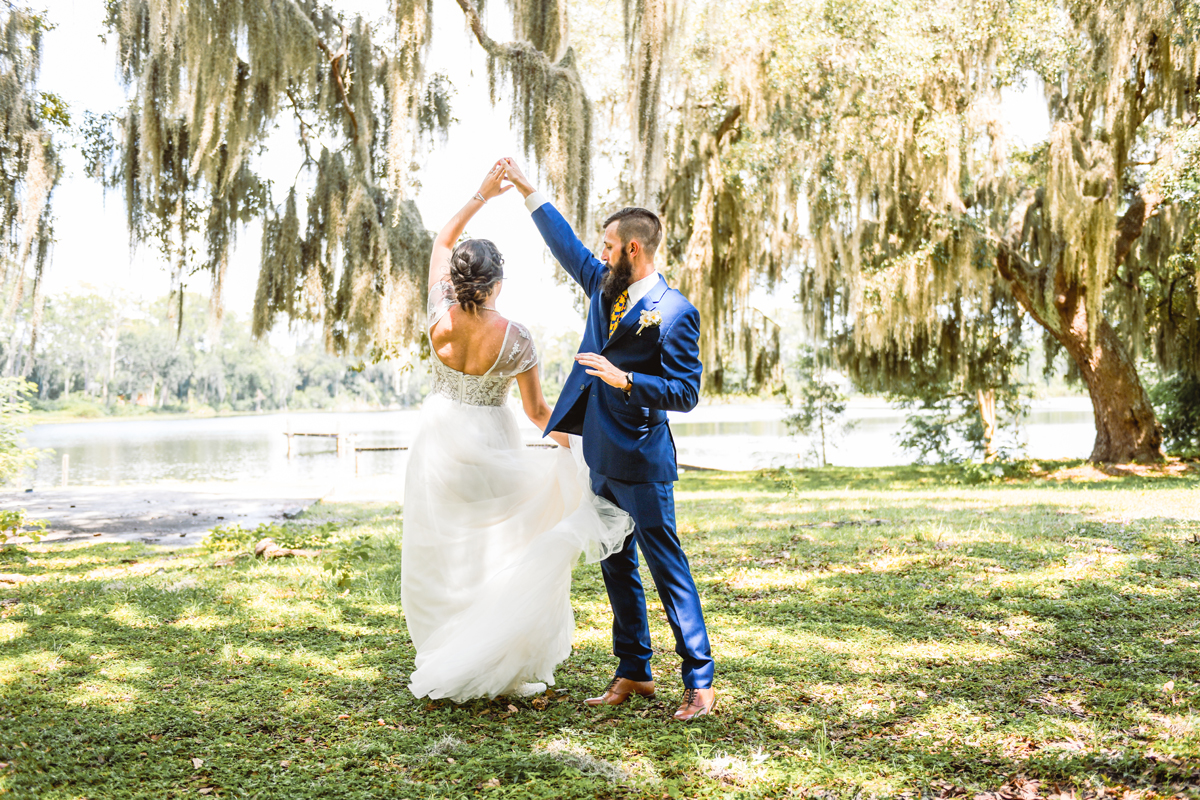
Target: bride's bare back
column 469, row 342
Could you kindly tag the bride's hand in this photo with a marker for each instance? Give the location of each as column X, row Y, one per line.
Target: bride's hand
column 493, row 185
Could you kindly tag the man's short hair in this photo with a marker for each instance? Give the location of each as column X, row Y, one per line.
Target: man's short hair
column 637, row 223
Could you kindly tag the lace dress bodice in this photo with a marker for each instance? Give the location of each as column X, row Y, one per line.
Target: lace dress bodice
column 517, row 354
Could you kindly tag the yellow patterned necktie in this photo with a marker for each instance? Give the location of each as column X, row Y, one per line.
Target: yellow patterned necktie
column 618, row 311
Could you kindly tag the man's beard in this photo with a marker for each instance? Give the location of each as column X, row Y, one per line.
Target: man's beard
column 618, row 277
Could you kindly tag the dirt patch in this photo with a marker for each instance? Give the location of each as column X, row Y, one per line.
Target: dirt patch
column 1171, row 468
column 175, row 515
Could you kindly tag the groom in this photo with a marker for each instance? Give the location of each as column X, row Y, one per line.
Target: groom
column 639, row 359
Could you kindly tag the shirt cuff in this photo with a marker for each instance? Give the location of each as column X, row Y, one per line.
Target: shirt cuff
column 535, row 201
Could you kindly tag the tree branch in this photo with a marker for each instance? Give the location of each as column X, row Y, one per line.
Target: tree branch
column 305, row 127
column 334, row 58
column 486, row 42
column 1009, row 243
column 1144, row 206
column 731, row 118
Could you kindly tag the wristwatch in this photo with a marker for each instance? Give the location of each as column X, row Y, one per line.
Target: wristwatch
column 628, row 383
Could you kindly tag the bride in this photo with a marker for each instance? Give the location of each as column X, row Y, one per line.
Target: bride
column 491, row 528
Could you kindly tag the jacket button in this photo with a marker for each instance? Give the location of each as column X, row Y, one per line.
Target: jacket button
column 582, row 386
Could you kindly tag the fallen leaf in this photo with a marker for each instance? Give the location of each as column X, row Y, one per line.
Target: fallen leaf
column 381, row 722
column 343, row 716
column 206, row 790
column 492, row 783
column 285, row 764
column 1169, row 686
column 512, row 709
column 197, row 762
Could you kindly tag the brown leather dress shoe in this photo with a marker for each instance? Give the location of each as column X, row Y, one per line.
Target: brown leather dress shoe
column 696, row 703
column 618, row 692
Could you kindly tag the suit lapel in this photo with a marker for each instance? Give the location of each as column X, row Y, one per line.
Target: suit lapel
column 598, row 318
column 632, row 318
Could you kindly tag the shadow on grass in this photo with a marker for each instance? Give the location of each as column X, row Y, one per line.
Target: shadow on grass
column 995, row 648
column 1052, row 474
column 161, row 687
column 865, row 646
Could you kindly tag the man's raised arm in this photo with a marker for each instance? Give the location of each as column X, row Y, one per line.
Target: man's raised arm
column 564, row 244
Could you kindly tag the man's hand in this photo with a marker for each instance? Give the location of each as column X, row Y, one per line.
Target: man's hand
column 514, row 174
column 603, row 369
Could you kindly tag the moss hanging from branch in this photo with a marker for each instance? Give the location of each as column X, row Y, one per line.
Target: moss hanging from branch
column 549, row 104
column 31, row 169
column 650, row 35
column 916, row 196
column 212, row 80
column 728, row 196
column 213, row 77
column 406, row 107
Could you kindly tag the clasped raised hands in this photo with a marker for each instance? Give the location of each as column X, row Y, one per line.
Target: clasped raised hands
column 493, row 183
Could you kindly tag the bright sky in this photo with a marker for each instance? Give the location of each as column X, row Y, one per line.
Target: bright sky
column 92, row 246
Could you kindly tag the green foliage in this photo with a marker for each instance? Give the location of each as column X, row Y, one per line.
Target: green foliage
column 345, row 556
column 819, row 405
column 14, row 411
column 54, row 109
column 15, row 523
column 298, row 536
column 950, row 429
column 292, row 536
column 1177, row 400
column 228, row 539
column 111, row 356
column 944, row 383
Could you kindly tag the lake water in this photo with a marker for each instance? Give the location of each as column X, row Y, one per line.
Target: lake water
column 254, row 448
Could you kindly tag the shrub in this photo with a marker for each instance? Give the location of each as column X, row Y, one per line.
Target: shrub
column 1176, row 400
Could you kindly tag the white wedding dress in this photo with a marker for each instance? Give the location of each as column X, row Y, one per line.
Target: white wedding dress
column 492, row 530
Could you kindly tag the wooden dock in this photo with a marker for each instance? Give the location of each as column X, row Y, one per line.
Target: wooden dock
column 343, row 440
column 372, row 449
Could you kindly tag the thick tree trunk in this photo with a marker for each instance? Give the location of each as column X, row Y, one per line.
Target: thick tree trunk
column 1126, row 427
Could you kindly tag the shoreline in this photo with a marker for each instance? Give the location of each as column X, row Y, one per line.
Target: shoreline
column 170, row 513
column 53, row 418
column 760, row 408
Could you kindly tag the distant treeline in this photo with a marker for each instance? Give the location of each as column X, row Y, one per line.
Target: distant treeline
column 101, row 355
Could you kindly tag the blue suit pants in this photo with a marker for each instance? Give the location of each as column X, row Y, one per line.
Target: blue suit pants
column 652, row 506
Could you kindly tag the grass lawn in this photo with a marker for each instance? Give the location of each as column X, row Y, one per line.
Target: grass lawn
column 877, row 633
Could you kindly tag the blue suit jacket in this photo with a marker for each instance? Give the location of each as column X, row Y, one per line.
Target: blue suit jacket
column 625, row 437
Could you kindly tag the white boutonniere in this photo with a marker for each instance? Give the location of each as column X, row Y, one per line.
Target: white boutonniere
column 649, row 319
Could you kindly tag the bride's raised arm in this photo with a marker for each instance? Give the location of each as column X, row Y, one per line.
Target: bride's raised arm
column 443, row 244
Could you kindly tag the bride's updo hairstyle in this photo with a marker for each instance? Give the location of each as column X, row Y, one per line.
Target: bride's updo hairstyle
column 476, row 266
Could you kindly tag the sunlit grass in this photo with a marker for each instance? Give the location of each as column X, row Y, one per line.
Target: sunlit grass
column 876, row 632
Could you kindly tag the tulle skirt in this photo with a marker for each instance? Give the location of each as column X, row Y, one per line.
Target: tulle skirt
column 492, row 530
